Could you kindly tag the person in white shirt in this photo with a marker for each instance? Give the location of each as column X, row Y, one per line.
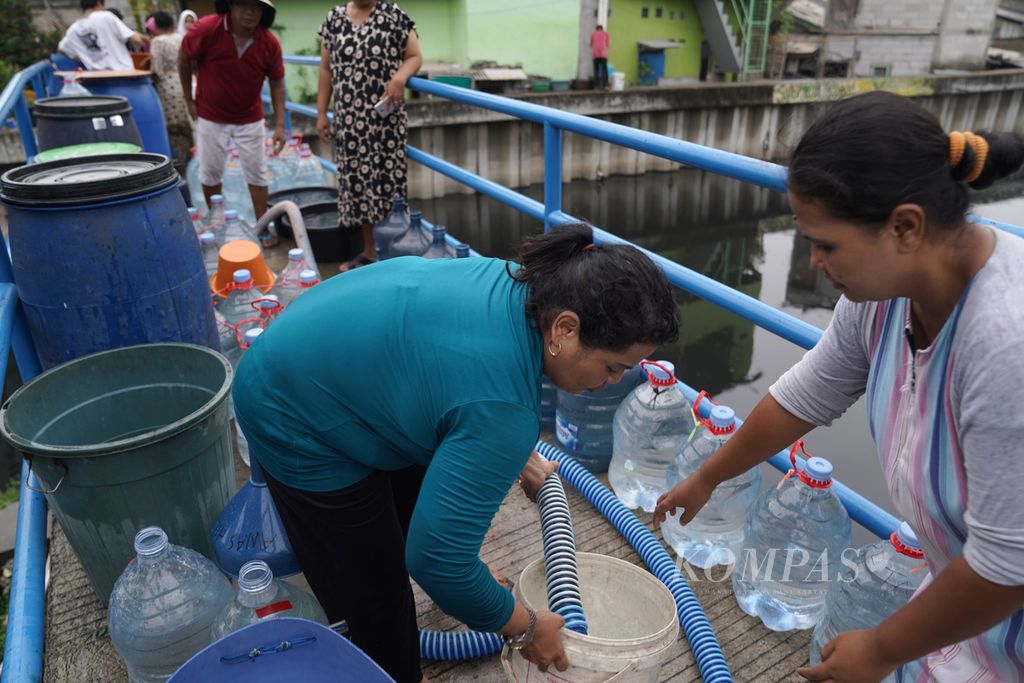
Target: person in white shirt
column 98, row 39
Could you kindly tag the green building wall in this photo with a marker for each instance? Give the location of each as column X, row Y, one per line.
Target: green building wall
column 440, row 25
column 542, row 35
column 678, row 21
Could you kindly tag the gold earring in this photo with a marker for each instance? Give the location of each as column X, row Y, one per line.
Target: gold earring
column 555, row 353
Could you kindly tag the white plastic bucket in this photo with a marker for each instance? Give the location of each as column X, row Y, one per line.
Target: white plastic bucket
column 632, row 622
column 618, row 81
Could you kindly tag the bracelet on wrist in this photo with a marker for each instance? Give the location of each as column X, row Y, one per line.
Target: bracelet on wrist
column 525, row 638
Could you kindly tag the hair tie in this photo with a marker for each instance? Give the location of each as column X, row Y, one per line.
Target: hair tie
column 957, row 143
column 588, row 247
column 980, row 147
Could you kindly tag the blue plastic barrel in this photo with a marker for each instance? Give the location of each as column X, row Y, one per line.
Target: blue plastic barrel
column 146, row 108
column 105, row 255
column 81, row 120
column 281, row 650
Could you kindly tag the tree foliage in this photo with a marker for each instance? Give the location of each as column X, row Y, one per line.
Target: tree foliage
column 21, row 44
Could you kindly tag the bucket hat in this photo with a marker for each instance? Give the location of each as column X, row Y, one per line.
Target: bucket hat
column 269, row 11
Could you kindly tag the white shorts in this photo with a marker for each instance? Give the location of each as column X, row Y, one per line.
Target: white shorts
column 212, row 141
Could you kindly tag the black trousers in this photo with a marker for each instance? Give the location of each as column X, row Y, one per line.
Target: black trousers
column 600, row 72
column 350, row 544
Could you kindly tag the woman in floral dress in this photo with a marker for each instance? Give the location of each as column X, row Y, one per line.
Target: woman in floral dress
column 164, row 64
column 369, row 50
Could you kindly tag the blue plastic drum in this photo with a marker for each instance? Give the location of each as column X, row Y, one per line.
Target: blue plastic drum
column 105, row 255
column 146, row 108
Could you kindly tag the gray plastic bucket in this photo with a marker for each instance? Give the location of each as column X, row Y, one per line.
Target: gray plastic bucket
column 124, row 439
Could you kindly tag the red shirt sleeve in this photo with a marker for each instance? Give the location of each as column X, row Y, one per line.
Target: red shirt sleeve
column 275, row 63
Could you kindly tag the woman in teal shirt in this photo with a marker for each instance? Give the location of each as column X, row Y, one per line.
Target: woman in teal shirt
column 392, row 409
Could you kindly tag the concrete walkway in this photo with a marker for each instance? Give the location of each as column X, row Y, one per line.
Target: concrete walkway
column 78, row 649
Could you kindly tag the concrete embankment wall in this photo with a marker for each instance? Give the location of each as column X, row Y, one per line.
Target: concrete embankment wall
column 762, row 120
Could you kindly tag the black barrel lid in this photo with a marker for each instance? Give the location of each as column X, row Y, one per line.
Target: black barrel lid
column 77, row 106
column 87, row 180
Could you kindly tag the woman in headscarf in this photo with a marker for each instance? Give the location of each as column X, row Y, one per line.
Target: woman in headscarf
column 185, row 21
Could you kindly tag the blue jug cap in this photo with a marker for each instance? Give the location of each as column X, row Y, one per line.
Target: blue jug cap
column 398, row 201
column 207, row 238
column 295, row 254
column 192, row 212
column 462, row 250
column 907, row 536
column 252, row 334
column 269, row 301
column 818, row 469
column 723, row 417
column 231, row 215
column 242, row 275
column 660, row 373
column 217, row 199
column 308, row 277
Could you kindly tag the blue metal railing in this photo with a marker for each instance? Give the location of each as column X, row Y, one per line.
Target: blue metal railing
column 761, row 173
column 23, row 648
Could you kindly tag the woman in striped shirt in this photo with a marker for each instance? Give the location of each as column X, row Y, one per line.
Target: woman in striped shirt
column 928, row 329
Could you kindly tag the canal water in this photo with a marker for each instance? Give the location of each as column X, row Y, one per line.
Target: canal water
column 739, row 235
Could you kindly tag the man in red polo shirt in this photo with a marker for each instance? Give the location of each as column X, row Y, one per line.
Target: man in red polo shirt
column 233, row 51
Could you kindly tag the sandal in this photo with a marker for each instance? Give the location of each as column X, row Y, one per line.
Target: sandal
column 357, row 262
column 268, row 239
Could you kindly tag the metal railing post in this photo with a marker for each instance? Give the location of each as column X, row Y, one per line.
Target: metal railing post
column 24, row 119
column 38, row 87
column 552, row 173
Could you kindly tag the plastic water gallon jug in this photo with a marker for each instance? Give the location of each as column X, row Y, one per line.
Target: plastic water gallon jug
column 261, row 596
column 235, row 189
column 239, row 309
column 73, row 86
column 238, row 304
column 308, row 171
column 163, row 605
column 215, row 216
column 548, row 400
column 308, row 279
column 873, row 583
column 228, row 339
column 583, row 422
column 269, row 307
column 792, row 548
column 648, row 428
column 287, row 286
column 236, row 229
column 211, row 259
column 715, row 535
column 439, row 244
column 413, row 242
column 197, row 221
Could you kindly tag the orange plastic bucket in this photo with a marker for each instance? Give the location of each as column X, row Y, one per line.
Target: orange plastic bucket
column 234, row 256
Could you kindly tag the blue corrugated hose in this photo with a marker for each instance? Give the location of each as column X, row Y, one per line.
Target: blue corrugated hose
column 563, row 581
column 703, row 642
column 456, row 645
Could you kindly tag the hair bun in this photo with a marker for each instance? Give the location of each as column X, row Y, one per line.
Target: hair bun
column 967, row 155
